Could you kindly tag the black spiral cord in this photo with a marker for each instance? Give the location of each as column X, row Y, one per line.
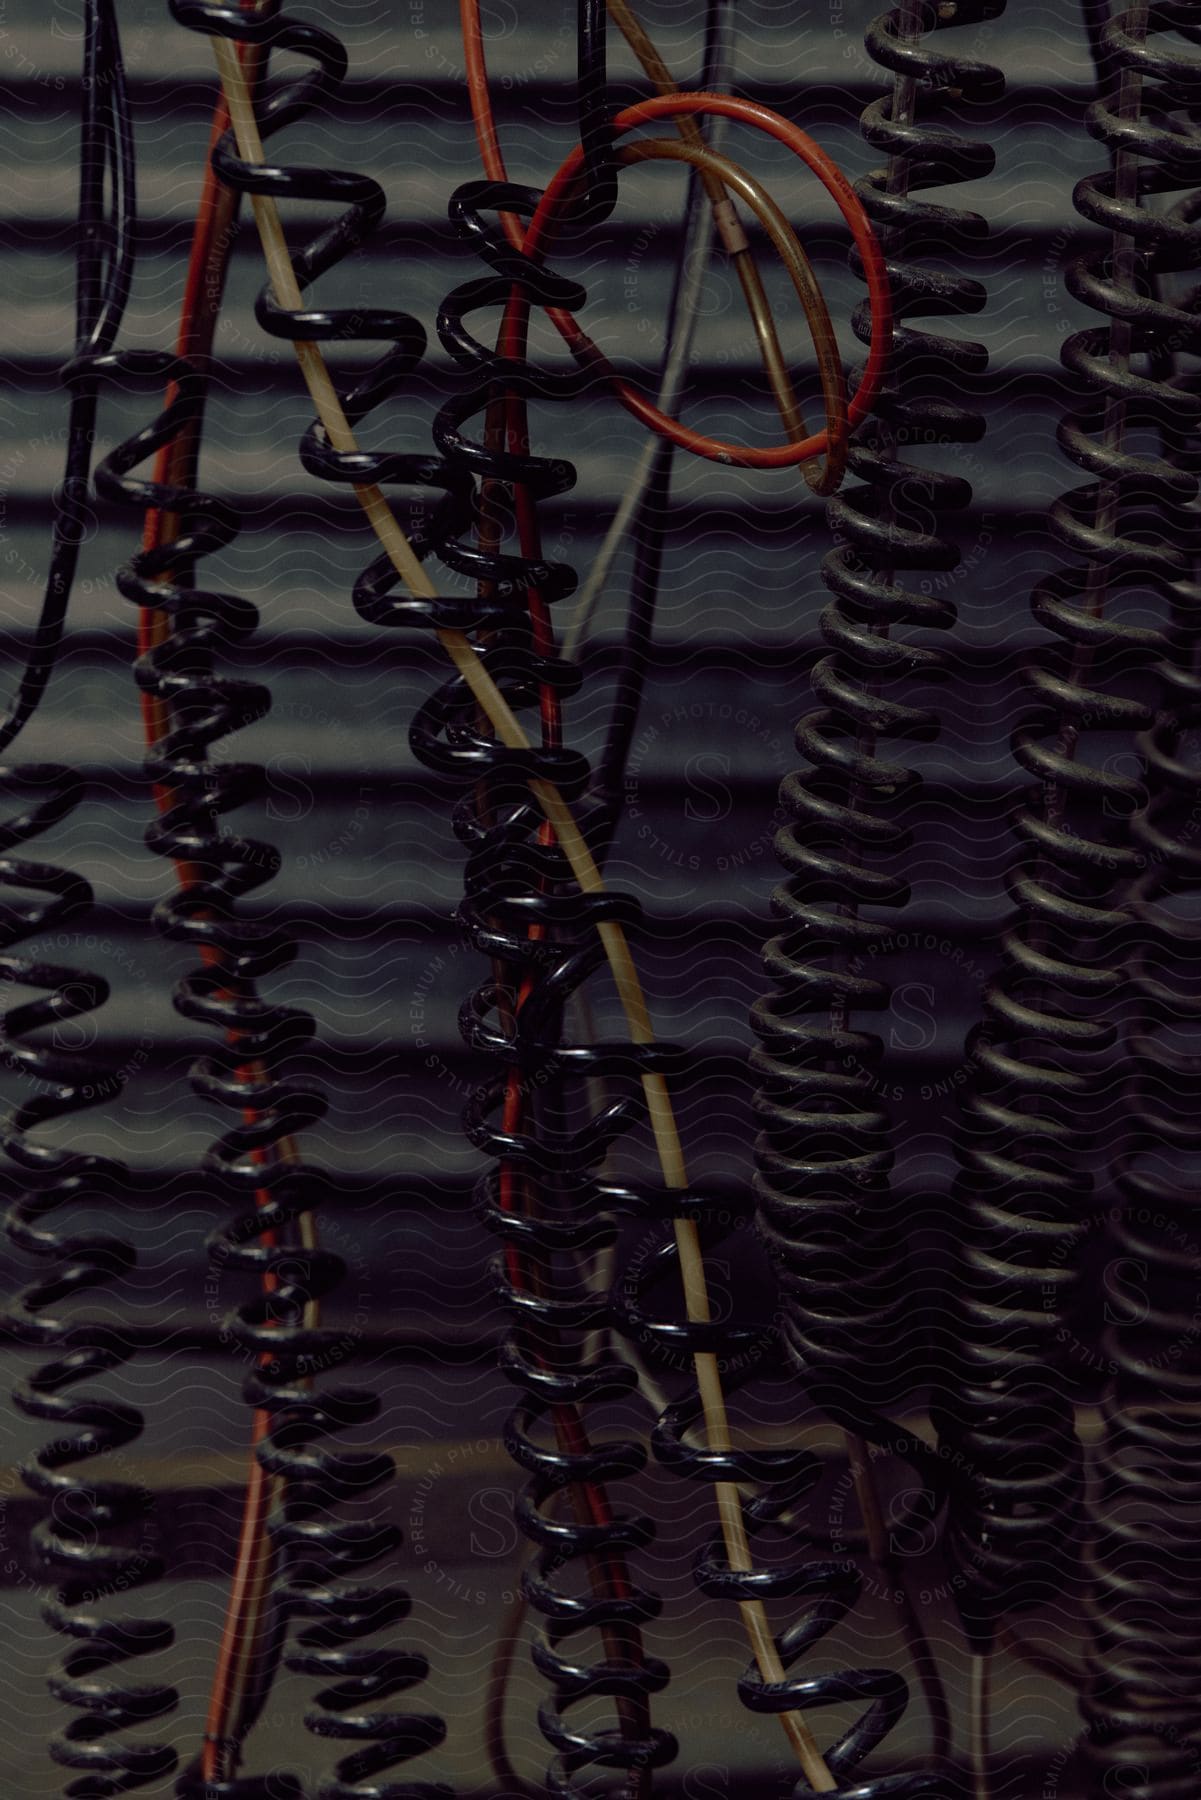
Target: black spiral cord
column 319, row 1558
column 852, row 1309
column 1143, row 1669
column 247, row 1070
column 854, row 1316
column 824, row 1153
column 97, row 1540
column 513, row 882
column 1042, row 1101
column 775, row 1486
column 522, row 909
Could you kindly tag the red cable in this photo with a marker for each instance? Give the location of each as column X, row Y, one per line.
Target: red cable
column 540, row 232
column 176, row 465
column 667, row 106
column 568, row 1423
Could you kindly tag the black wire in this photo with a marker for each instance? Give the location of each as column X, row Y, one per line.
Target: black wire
column 649, row 534
column 648, row 529
column 1096, row 18
column 103, row 272
column 594, row 114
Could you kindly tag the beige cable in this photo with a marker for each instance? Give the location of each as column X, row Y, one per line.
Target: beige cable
column 821, row 480
column 583, row 866
column 722, row 173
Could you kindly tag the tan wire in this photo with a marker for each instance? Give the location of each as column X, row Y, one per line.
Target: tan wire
column 821, row 480
column 583, row 866
column 725, row 174
column 981, row 1725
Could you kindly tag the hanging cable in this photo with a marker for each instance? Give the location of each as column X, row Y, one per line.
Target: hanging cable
column 823, row 480
column 599, row 196
column 642, row 510
column 852, row 1322
column 649, row 548
column 635, row 515
column 104, row 269
column 1041, row 1103
column 654, row 487
column 632, row 1714
column 247, row 1071
column 1143, row 1656
column 319, row 1558
column 84, row 1542
column 244, row 1668
column 854, row 1319
column 780, row 1701
column 616, row 1608
column 96, row 1541
column 466, row 348
column 635, row 654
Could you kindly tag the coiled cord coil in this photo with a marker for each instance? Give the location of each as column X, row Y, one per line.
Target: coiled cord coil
column 1144, row 1660
column 1043, row 1075
column 86, row 1542
column 824, row 1152
column 774, row 1486
column 522, row 909
column 319, row 1556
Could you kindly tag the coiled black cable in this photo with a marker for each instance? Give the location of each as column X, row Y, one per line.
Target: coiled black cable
column 1143, row 1666
column 247, row 1070
column 855, row 1319
column 1044, row 1085
column 97, row 1541
column 513, row 881
column 523, row 910
column 320, row 1557
column 774, row 1485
